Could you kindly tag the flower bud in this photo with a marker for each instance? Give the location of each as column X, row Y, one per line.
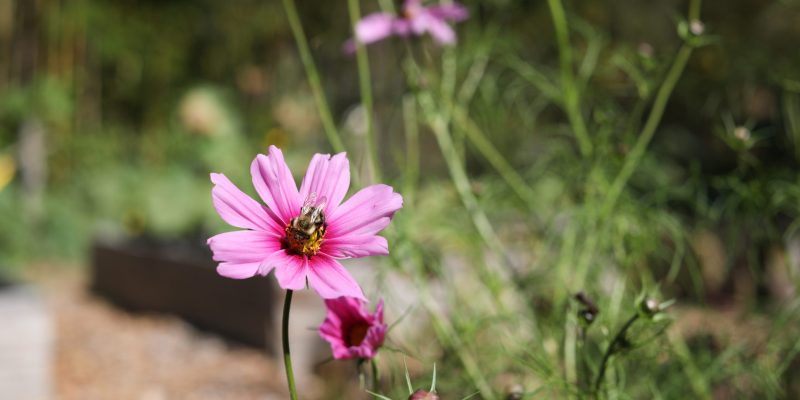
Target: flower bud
column 649, row 307
column 697, row 27
column 742, row 133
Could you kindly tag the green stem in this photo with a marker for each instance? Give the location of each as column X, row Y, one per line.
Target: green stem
column 571, row 96
column 612, row 348
column 495, row 158
column 287, row 356
column 365, row 86
column 375, row 379
column 444, row 329
column 460, row 178
column 637, row 152
column 659, row 104
column 313, row 76
column 570, row 340
column 411, row 130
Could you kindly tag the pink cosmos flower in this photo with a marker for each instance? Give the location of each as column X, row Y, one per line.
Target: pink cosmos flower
column 301, row 234
column 351, row 330
column 415, row 19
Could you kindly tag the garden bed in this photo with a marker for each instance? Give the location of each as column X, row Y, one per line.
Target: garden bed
column 179, row 277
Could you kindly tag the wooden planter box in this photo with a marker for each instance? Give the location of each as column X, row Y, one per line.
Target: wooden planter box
column 180, row 278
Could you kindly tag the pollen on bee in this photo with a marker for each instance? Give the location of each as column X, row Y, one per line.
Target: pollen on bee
column 303, row 239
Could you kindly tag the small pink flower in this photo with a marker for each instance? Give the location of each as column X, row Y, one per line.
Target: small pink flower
column 415, row 19
column 301, row 234
column 351, row 330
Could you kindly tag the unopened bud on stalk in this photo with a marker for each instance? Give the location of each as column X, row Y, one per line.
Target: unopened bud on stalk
column 696, row 27
column 649, row 307
column 423, row 395
column 742, row 133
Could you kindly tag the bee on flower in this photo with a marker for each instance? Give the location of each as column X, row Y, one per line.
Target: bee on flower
column 301, row 234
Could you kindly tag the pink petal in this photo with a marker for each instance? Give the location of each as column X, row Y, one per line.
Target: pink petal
column 365, row 213
column 372, row 342
column 274, row 183
column 441, row 32
column 331, row 280
column 374, row 27
column 239, row 209
column 452, row 12
column 291, row 271
column 378, row 316
column 331, row 331
column 243, row 246
column 355, row 246
column 419, row 23
column 238, row 270
column 328, row 178
column 347, row 309
column 401, row 27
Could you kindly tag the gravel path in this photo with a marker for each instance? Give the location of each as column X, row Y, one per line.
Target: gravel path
column 103, row 352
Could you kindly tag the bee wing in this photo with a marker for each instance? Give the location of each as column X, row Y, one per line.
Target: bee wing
column 309, row 203
column 321, row 203
column 313, row 205
column 310, row 200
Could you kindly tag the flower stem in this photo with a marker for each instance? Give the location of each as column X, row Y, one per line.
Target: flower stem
column 495, row 158
column 287, row 356
column 571, row 97
column 365, row 86
column 653, row 120
column 639, row 148
column 411, row 130
column 612, row 348
column 313, row 76
column 375, row 380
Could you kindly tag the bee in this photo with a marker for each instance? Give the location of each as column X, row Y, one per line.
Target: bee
column 305, row 232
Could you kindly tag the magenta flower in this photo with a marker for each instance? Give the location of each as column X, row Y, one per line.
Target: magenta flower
column 415, row 19
column 301, row 234
column 351, row 330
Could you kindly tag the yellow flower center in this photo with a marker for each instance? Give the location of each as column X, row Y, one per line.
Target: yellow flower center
column 304, row 237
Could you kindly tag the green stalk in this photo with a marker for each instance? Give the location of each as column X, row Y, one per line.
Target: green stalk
column 570, row 357
column 612, row 348
column 459, row 175
column 445, row 331
column 442, row 326
column 411, row 130
column 375, row 375
column 365, row 86
column 495, row 158
column 659, row 104
column 313, row 76
column 637, row 152
column 571, row 96
column 287, row 355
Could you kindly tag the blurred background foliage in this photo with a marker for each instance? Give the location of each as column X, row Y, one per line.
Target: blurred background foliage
column 112, row 114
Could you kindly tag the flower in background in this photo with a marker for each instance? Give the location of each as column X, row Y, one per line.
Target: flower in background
column 415, row 19
column 351, row 330
column 301, row 234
